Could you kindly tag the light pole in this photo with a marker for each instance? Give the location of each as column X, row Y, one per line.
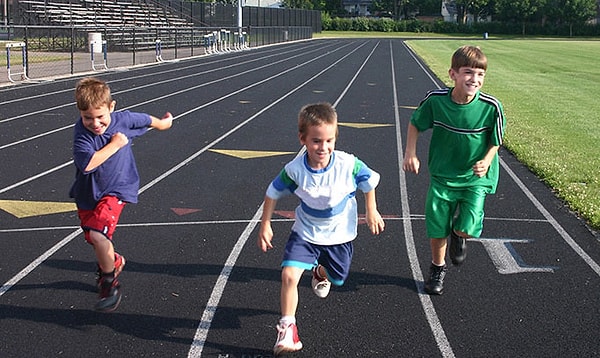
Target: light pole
column 5, row 13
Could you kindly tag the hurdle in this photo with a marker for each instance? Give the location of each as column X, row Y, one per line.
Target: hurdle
column 225, row 40
column 23, row 74
column 246, row 40
column 103, row 65
column 159, row 50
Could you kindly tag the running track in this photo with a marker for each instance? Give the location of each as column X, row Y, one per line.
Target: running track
column 195, row 283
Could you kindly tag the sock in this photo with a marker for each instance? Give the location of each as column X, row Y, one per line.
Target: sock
column 285, row 321
column 108, row 274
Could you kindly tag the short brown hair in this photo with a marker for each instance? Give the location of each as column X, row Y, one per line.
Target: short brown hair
column 92, row 92
column 315, row 115
column 469, row 56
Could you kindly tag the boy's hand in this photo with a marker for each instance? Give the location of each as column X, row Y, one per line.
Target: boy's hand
column 265, row 236
column 162, row 124
column 481, row 167
column 411, row 164
column 375, row 222
column 119, row 139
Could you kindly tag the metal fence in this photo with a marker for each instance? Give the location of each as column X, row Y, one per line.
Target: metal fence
column 42, row 52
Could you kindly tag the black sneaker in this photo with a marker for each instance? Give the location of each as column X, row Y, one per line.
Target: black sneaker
column 110, row 294
column 458, row 249
column 435, row 284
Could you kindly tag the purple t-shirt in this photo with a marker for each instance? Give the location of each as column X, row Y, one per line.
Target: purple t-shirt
column 118, row 175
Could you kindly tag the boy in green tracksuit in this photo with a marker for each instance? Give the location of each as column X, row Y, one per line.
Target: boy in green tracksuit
column 467, row 129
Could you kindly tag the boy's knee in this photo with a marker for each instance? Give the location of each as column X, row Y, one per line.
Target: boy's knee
column 92, row 237
column 290, row 276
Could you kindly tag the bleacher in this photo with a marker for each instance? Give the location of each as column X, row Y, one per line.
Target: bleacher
column 104, row 13
column 125, row 24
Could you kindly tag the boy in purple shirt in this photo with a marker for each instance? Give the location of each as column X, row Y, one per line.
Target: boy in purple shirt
column 106, row 176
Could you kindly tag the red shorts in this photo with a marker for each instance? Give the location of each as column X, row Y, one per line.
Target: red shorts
column 103, row 218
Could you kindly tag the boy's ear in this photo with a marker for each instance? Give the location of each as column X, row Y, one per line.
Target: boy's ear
column 112, row 105
column 452, row 73
column 301, row 138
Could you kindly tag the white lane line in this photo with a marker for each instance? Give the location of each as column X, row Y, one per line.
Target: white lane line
column 35, row 263
column 225, row 222
column 178, row 69
column 549, row 218
column 538, row 205
column 563, row 233
column 211, row 307
column 434, row 322
column 66, row 240
column 153, row 84
column 178, row 117
column 213, row 302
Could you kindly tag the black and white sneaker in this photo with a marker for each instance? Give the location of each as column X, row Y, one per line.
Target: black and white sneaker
column 435, row 284
column 458, row 248
column 110, row 294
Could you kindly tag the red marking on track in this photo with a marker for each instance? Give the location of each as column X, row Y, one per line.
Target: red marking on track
column 184, row 211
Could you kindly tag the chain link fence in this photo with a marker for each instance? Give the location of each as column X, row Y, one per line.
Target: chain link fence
column 43, row 52
column 49, row 38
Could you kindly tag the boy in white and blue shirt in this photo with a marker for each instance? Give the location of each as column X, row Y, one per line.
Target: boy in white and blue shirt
column 325, row 180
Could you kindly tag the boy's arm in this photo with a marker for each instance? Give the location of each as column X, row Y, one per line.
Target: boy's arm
column 411, row 163
column 481, row 167
column 265, row 233
column 162, row 124
column 374, row 219
column 117, row 141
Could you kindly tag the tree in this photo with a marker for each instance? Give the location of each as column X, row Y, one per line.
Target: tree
column 518, row 10
column 297, row 4
column 474, row 7
column 577, row 12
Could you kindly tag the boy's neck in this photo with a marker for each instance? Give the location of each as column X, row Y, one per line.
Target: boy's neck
column 459, row 98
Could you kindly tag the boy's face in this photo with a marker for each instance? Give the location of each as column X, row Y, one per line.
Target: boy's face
column 97, row 120
column 320, row 143
column 467, row 81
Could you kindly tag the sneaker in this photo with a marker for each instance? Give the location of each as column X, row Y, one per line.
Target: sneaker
column 320, row 286
column 287, row 339
column 435, row 284
column 110, row 294
column 458, row 249
column 119, row 264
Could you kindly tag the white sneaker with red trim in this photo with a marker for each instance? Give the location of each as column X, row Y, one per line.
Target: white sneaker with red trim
column 287, row 339
column 320, row 286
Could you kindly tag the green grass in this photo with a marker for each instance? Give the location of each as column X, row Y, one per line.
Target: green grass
column 549, row 89
column 550, row 92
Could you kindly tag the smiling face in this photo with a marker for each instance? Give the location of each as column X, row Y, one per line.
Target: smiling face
column 97, row 119
column 317, row 130
column 467, row 81
column 320, row 143
column 467, row 70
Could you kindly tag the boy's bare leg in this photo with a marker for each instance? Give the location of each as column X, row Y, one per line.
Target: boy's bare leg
column 290, row 276
column 438, row 251
column 105, row 252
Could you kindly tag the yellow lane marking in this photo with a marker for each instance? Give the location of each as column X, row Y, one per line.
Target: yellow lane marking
column 23, row 209
column 248, row 154
column 408, row 107
column 364, row 125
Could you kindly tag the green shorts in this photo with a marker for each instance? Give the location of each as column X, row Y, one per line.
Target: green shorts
column 460, row 209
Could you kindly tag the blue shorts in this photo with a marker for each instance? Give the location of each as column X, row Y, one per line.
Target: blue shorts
column 336, row 259
column 458, row 209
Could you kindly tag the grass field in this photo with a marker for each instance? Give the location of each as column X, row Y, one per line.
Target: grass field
column 550, row 92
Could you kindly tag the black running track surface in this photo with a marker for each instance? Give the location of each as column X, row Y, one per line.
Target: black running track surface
column 196, row 284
